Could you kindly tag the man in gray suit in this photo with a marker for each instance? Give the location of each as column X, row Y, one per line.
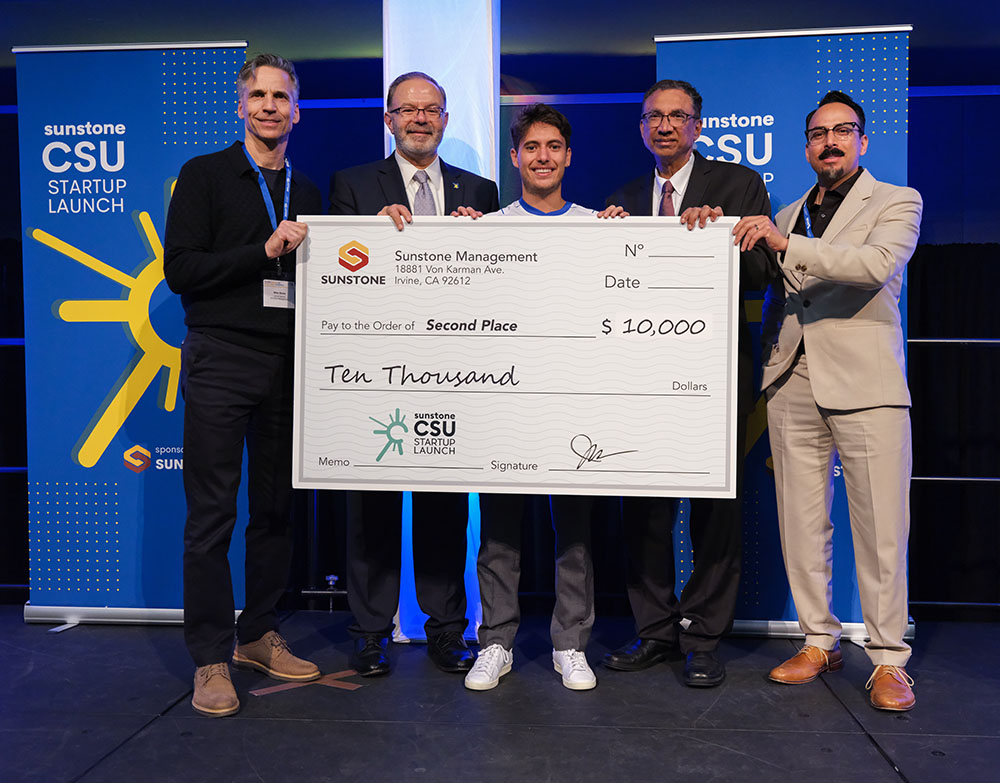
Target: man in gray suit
column 835, row 381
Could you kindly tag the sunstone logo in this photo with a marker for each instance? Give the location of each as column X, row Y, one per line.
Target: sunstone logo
column 353, row 256
column 137, row 459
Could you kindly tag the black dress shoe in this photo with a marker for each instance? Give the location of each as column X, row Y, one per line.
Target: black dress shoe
column 449, row 652
column 640, row 654
column 370, row 657
column 703, row 670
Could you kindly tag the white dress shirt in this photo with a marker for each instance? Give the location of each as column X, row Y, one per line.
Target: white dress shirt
column 680, row 183
column 435, row 180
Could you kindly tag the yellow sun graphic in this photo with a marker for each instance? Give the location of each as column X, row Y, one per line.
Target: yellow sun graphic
column 153, row 354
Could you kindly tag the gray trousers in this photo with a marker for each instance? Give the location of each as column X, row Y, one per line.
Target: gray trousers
column 499, row 569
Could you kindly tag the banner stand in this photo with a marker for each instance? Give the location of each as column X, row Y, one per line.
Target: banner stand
column 102, row 330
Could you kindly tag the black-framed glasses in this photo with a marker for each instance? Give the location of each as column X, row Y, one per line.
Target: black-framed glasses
column 841, row 132
column 654, row 119
column 409, row 112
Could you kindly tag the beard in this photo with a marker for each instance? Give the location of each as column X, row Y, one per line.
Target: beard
column 828, row 177
column 418, row 145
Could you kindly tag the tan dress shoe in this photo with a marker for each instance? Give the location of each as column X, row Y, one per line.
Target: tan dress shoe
column 270, row 654
column 806, row 665
column 214, row 694
column 892, row 689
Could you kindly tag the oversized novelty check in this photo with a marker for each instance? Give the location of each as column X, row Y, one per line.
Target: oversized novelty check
column 538, row 355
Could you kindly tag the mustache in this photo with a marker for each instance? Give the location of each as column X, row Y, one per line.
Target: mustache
column 831, row 152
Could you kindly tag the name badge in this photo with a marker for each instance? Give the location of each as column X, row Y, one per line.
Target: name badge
column 279, row 293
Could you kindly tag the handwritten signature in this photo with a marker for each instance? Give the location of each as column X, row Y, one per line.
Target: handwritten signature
column 588, row 451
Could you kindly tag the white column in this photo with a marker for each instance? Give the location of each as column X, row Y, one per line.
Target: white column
column 458, row 43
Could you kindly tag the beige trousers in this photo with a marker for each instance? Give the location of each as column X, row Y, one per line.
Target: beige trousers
column 874, row 447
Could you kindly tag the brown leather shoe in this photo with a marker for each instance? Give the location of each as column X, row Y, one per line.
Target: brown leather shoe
column 807, row 664
column 214, row 694
column 891, row 689
column 270, row 654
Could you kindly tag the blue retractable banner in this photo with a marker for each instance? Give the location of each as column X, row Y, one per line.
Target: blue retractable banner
column 102, row 331
column 757, row 89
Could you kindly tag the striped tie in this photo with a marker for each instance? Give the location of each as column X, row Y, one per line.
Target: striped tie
column 667, row 201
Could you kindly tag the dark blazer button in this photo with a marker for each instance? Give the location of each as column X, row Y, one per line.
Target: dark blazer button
column 805, row 302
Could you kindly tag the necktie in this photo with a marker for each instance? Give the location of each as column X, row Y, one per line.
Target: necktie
column 667, row 201
column 423, row 203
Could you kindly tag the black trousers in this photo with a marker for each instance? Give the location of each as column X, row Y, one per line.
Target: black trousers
column 234, row 395
column 374, row 542
column 709, row 597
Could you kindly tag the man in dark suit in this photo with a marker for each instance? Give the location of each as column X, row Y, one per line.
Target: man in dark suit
column 687, row 184
column 413, row 181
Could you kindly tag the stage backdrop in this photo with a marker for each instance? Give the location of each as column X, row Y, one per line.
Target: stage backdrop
column 102, row 331
column 756, row 90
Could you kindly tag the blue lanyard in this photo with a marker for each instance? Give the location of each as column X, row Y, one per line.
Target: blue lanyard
column 267, row 193
column 807, row 219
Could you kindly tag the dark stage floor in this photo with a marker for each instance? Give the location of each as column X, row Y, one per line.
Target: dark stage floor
column 112, row 703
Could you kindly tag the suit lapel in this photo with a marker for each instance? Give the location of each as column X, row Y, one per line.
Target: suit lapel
column 697, row 187
column 793, row 277
column 642, row 197
column 454, row 188
column 793, row 214
column 391, row 181
column 853, row 203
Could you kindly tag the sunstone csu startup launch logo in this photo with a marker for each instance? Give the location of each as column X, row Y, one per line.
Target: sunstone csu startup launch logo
column 433, row 433
column 353, row 257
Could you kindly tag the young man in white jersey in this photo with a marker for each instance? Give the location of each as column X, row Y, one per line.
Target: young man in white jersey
column 541, row 154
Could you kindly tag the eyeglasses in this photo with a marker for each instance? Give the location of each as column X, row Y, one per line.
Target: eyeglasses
column 841, row 132
column 654, row 119
column 409, row 112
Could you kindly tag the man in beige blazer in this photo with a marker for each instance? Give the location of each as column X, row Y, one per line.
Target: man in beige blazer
column 835, row 382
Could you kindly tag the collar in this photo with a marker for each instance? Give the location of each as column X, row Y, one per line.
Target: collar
column 242, row 165
column 407, row 169
column 533, row 211
column 679, row 180
column 840, row 191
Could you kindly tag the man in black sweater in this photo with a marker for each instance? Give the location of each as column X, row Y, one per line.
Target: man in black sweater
column 229, row 242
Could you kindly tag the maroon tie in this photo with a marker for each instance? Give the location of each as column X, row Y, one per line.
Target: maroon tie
column 667, row 201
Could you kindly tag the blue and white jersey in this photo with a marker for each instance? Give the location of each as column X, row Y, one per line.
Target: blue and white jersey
column 520, row 209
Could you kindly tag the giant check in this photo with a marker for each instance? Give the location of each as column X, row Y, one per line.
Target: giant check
column 548, row 355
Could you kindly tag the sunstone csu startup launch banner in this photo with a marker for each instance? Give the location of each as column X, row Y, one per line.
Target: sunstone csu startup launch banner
column 757, row 89
column 102, row 331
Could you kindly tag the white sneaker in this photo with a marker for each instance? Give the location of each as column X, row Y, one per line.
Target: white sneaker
column 491, row 664
column 576, row 672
